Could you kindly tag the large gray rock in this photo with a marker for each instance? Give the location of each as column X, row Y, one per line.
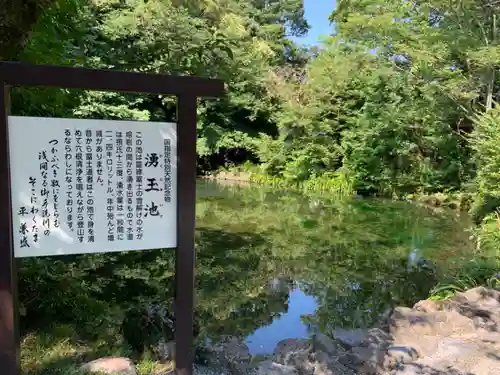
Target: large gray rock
column 350, row 337
column 273, row 368
column 397, row 356
column 362, row 337
column 368, row 360
column 202, row 370
column 230, row 353
column 295, row 353
column 287, row 346
column 457, row 337
column 323, row 364
column 111, row 365
column 326, row 344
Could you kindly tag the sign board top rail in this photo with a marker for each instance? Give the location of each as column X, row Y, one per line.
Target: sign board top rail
column 25, row 74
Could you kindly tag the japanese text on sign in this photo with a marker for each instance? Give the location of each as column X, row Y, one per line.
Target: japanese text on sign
column 85, row 186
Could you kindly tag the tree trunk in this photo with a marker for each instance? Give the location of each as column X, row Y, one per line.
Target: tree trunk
column 17, row 18
column 491, row 77
column 490, row 88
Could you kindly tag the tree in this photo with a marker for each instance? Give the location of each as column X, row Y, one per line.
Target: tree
column 17, row 19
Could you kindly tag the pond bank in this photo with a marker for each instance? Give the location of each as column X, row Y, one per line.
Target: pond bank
column 234, row 177
column 455, row 337
column 457, row 201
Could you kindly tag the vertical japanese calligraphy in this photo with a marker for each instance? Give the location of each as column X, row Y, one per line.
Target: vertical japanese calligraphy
column 120, row 217
column 68, row 172
column 139, row 188
column 89, row 184
column 110, row 191
column 83, row 186
column 54, row 183
column 167, row 165
column 129, row 150
column 80, row 209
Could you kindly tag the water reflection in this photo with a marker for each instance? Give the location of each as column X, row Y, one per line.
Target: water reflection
column 350, row 258
column 269, row 266
column 288, row 325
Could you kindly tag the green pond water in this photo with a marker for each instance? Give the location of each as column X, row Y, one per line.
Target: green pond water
column 270, row 266
column 279, row 265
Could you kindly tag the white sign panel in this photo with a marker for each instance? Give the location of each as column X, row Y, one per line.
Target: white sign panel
column 89, row 186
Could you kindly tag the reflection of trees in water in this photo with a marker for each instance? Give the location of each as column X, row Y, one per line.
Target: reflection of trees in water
column 94, row 292
column 251, row 246
column 342, row 305
column 233, row 277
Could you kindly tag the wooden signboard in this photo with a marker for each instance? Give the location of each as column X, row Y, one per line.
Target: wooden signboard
column 74, row 186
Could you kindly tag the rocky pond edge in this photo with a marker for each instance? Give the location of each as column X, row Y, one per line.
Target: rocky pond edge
column 459, row 336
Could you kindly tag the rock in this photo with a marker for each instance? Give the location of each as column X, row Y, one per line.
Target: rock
column 366, row 349
column 416, row 370
column 326, row 344
column 111, row 365
column 456, row 337
column 295, row 353
column 302, row 362
column 273, row 368
column 427, row 306
column 257, row 358
column 439, row 323
column 379, row 338
column 481, row 294
column 362, row 337
column 230, row 353
column 326, row 365
column 399, row 355
column 202, row 370
column 405, row 353
column 368, row 360
column 352, row 337
column 284, row 347
column 481, row 305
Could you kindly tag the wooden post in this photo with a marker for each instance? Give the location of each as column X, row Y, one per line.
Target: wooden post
column 9, row 335
column 186, row 216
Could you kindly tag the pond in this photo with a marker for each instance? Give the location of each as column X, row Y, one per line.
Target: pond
column 282, row 265
column 270, row 266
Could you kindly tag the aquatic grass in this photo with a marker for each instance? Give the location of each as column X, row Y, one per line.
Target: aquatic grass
column 483, row 270
column 337, row 184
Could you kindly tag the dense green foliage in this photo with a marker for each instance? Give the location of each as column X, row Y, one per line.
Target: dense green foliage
column 399, row 102
column 388, row 101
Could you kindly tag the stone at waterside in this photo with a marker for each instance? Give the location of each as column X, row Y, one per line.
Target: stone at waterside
column 111, row 365
column 456, row 337
column 295, row 353
column 319, row 356
column 201, row 370
column 273, row 368
column 229, row 353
